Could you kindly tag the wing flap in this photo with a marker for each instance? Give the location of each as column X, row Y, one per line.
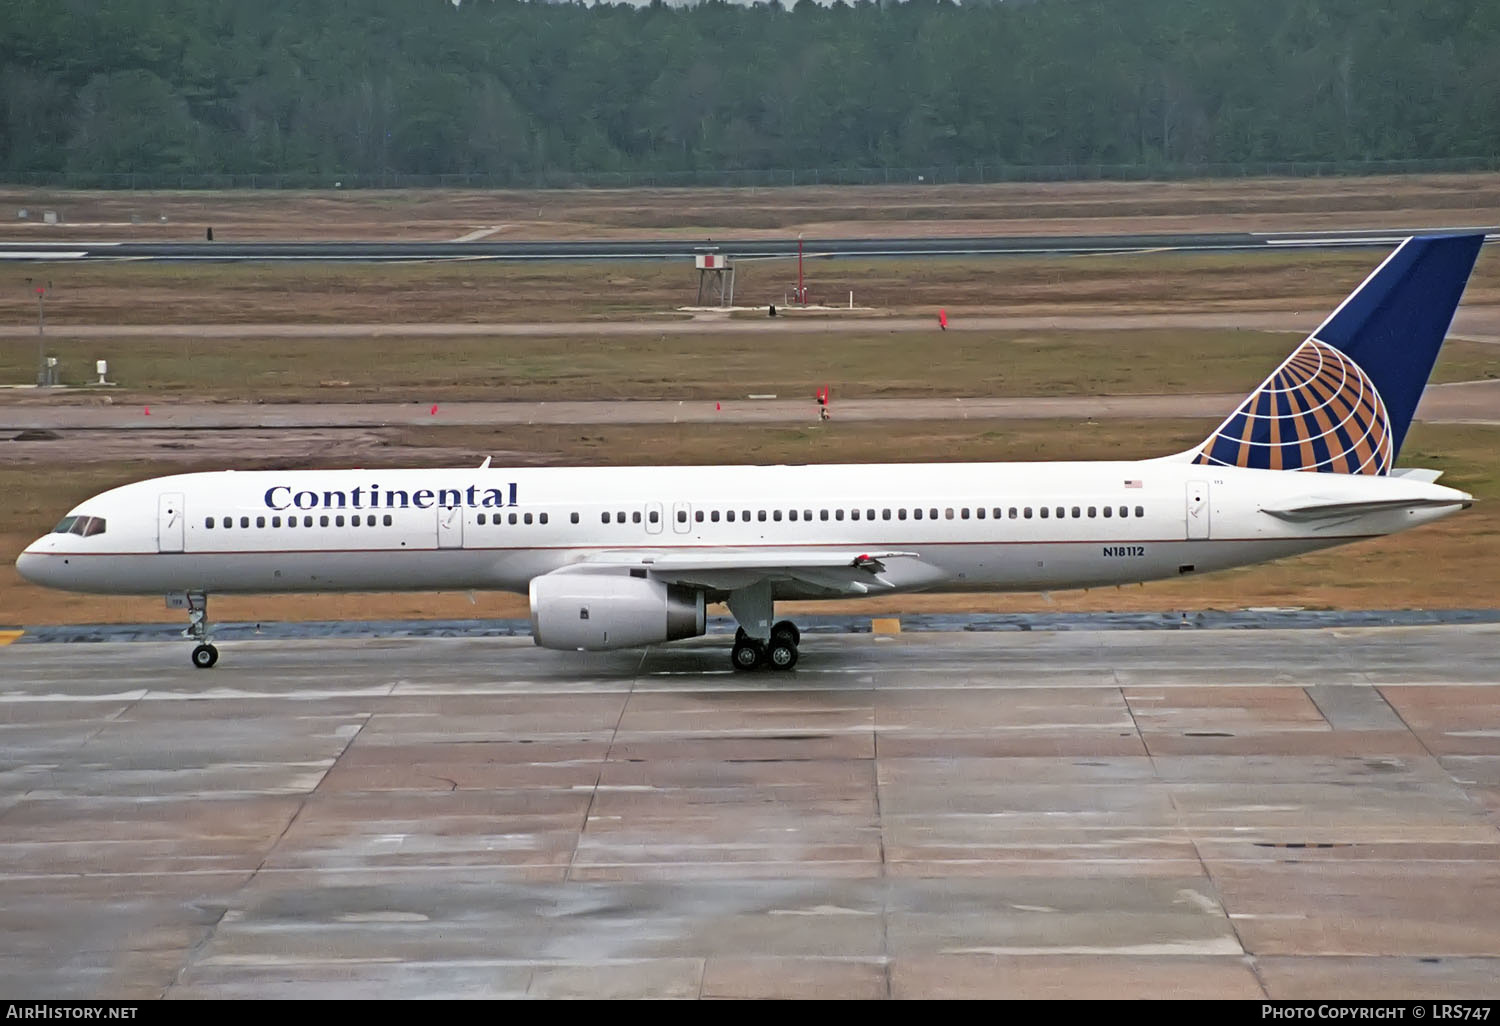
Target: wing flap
column 821, row 572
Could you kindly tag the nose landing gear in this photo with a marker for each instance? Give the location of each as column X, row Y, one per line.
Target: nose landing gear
column 204, row 654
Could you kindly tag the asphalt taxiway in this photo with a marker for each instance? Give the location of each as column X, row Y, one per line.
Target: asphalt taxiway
column 481, row 248
column 1214, row 813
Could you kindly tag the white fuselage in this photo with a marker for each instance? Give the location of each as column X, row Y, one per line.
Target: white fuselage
column 990, row 526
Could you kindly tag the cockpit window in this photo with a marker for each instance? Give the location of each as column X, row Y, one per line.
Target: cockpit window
column 83, row 526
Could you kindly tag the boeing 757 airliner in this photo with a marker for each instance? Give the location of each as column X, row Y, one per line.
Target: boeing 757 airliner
column 623, row 557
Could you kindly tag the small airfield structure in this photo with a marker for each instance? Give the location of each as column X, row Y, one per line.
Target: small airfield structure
column 715, row 274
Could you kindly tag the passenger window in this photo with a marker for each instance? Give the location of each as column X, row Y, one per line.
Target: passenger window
column 1140, row 511
column 573, row 518
column 1028, row 512
column 698, row 515
column 745, row 515
column 806, row 515
column 901, row 513
column 275, row 521
column 854, row 514
column 791, row 514
column 979, row 513
column 885, row 514
column 307, row 520
column 291, row 521
column 480, row 519
column 963, row 514
column 1012, row 513
column 760, row 515
column 916, row 514
column 603, row 518
column 323, row 520
column 822, row 514
column 932, row 513
column 714, row 516
column 387, row 520
column 260, row 521
column 619, row 517
column 1124, row 511
column 682, row 516
column 729, row 516
column 654, row 517
column 244, row 521
column 339, row 520
column 208, row 522
column 776, row 515
column 1093, row 512
column 513, row 519
column 1109, row 511
column 869, row 514
column 1061, row 512
column 635, row 517
column 1044, row 512
column 527, row 518
column 1076, row 513
column 838, row 514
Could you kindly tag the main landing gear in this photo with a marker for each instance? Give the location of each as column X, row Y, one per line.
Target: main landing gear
column 759, row 642
column 204, row 655
column 779, row 652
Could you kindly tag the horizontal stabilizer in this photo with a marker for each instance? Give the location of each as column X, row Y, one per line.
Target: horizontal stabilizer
column 1308, row 509
column 1417, row 474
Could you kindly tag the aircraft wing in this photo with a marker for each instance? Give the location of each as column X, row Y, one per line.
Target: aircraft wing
column 849, row 572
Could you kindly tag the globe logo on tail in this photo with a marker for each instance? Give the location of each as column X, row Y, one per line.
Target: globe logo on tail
column 1318, row 411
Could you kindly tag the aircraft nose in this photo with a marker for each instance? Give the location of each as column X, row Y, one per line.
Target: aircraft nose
column 29, row 564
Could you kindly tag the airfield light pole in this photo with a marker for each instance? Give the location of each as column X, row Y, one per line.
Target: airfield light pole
column 801, row 290
column 41, row 331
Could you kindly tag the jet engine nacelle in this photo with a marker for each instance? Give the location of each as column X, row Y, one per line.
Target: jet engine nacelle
column 602, row 611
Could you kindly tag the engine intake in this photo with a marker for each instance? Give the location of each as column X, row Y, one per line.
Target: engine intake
column 604, row 611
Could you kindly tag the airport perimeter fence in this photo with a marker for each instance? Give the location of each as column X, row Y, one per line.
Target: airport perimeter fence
column 978, row 173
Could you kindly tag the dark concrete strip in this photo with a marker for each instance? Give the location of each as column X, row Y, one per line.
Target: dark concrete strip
column 1246, row 619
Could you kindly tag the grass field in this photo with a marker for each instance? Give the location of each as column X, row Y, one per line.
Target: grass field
column 95, row 293
column 1451, row 564
column 900, row 208
column 700, row 366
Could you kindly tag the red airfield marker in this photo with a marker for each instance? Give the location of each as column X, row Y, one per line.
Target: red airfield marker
column 433, row 412
column 943, row 319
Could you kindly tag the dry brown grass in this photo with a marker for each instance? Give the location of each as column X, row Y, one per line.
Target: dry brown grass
column 819, row 211
column 492, row 292
column 679, row 366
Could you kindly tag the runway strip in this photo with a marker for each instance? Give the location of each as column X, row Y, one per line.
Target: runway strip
column 1459, row 402
column 1244, row 814
column 479, row 248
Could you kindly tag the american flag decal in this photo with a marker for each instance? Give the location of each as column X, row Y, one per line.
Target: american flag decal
column 1318, row 411
column 1132, row 484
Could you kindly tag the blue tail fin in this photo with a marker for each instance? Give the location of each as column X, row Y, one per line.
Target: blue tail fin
column 1343, row 401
